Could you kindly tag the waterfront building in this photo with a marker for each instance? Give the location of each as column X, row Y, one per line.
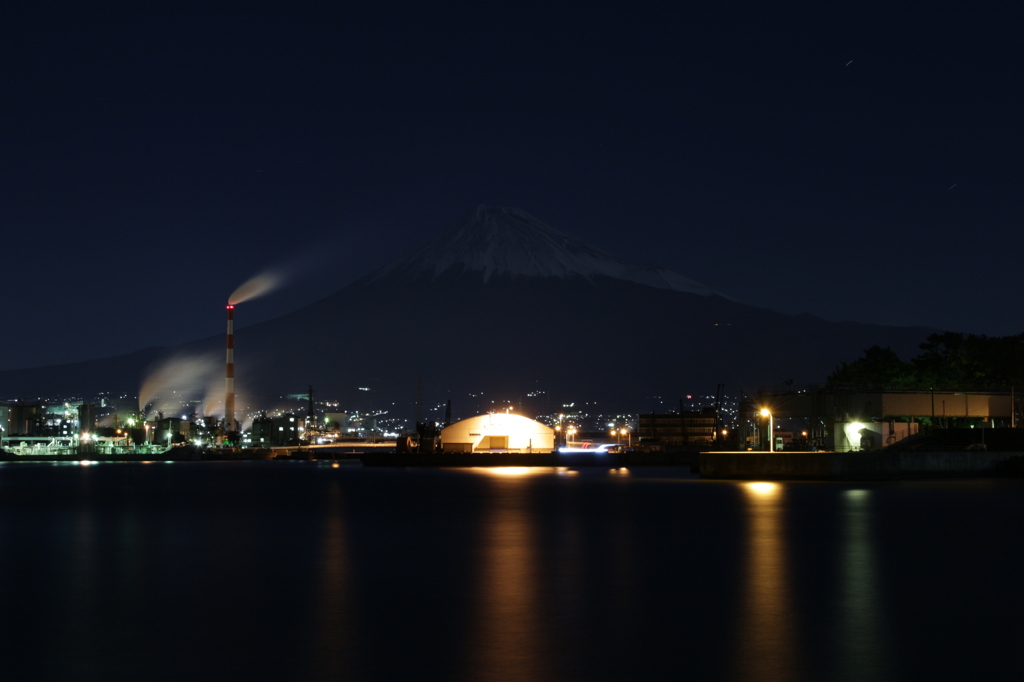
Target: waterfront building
column 843, row 419
column 688, row 429
column 498, row 432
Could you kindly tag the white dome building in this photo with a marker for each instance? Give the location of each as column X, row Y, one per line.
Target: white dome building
column 498, row 432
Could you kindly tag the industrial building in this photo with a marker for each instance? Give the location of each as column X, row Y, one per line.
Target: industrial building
column 498, row 432
column 282, row 430
column 170, row 430
column 66, row 420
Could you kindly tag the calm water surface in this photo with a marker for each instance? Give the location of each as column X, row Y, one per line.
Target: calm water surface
column 296, row 571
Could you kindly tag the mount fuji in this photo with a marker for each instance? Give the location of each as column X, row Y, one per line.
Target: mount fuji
column 501, row 307
column 508, row 242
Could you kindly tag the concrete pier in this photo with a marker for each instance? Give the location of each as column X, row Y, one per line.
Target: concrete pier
column 825, row 466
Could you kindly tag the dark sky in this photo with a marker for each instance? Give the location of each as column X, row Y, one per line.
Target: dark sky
column 852, row 160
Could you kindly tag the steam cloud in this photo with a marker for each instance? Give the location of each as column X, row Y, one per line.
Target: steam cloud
column 256, row 286
column 302, row 263
column 178, row 379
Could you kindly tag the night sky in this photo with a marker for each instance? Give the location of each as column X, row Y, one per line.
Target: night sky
column 855, row 160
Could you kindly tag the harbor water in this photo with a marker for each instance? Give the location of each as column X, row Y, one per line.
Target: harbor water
column 307, row 571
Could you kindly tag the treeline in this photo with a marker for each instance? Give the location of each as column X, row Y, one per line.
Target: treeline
column 948, row 361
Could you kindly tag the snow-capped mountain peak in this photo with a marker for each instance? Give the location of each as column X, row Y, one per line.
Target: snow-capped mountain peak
column 495, row 241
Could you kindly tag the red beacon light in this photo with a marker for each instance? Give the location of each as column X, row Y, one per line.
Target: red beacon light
column 230, row 307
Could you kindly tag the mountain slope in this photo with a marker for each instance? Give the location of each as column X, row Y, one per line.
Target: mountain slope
column 503, row 306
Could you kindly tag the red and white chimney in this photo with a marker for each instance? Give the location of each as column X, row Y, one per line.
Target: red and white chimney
column 229, row 374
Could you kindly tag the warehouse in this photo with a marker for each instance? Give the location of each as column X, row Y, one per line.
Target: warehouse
column 498, row 432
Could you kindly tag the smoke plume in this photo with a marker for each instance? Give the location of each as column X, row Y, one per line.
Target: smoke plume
column 259, row 285
column 177, row 381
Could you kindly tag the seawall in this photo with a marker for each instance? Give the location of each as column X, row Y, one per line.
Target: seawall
column 849, row 465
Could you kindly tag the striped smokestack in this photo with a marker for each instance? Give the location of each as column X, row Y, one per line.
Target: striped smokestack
column 229, row 374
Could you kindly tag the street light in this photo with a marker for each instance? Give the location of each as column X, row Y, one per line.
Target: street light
column 629, row 436
column 771, row 429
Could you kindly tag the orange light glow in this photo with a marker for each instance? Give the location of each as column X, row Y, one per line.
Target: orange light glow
column 768, row 639
column 520, row 471
column 511, row 471
column 762, row 488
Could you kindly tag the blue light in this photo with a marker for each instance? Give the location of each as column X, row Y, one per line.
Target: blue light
column 598, row 449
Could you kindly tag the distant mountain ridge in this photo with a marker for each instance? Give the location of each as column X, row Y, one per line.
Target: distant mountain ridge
column 499, row 306
column 495, row 241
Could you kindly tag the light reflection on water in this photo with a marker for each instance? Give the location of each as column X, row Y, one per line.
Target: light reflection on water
column 862, row 639
column 552, row 596
column 767, row 646
column 332, row 641
column 290, row 572
column 521, row 471
column 508, row 614
column 82, row 592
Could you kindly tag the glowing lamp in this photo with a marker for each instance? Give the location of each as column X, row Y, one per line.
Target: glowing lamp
column 765, row 412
